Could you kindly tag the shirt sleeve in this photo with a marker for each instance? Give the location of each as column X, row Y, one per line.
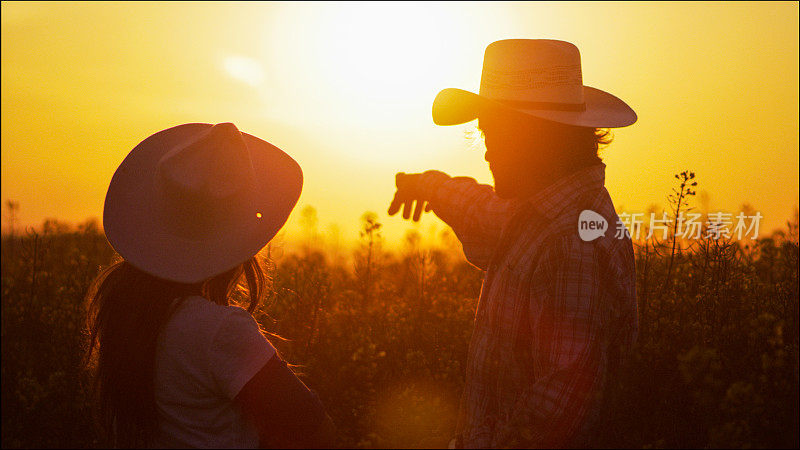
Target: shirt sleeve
column 284, row 409
column 238, row 351
column 474, row 212
column 566, row 319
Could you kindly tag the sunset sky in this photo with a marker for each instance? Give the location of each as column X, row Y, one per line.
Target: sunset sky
column 346, row 89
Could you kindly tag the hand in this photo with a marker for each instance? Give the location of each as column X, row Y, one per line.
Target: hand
column 410, row 190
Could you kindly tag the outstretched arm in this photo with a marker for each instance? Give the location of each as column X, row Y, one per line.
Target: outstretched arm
column 476, row 214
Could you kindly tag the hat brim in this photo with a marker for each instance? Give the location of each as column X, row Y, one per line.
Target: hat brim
column 456, row 106
column 133, row 229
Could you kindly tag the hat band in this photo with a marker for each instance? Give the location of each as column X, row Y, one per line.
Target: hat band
column 553, row 106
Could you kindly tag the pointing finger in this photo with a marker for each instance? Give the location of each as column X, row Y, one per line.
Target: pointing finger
column 418, row 210
column 395, row 205
column 407, row 209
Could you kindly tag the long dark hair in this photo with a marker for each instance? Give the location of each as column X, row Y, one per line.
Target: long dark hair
column 127, row 309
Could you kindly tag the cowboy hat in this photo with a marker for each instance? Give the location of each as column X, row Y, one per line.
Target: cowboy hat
column 538, row 77
column 196, row 200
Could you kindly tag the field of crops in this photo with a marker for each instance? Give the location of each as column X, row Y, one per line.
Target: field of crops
column 382, row 337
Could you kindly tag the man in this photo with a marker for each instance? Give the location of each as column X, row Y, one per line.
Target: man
column 557, row 309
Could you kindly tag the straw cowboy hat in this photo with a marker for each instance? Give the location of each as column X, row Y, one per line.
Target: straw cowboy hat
column 539, row 77
column 196, row 200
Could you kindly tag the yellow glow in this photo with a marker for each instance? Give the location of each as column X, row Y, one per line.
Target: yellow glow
column 346, row 89
column 378, row 66
column 386, row 52
column 244, row 69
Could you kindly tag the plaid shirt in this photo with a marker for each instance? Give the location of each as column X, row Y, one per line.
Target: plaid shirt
column 556, row 314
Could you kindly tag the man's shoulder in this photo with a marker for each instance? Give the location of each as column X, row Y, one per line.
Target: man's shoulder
column 588, row 224
column 565, row 222
column 544, row 238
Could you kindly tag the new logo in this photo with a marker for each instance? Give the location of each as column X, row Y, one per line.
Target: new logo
column 591, row 225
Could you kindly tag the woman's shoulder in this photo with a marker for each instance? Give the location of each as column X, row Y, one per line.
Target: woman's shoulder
column 199, row 319
column 196, row 308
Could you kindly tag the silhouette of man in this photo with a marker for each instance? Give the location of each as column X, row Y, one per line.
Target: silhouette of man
column 557, row 309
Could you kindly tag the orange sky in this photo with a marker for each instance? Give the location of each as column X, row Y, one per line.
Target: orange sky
column 347, row 89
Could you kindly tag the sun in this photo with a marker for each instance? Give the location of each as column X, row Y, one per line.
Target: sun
column 359, row 74
column 387, row 52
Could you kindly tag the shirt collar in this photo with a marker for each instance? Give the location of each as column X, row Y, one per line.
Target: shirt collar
column 553, row 199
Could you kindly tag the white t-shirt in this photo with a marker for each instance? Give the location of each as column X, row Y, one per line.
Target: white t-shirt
column 205, row 355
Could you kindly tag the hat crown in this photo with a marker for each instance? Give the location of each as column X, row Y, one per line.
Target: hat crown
column 532, row 70
column 215, row 163
column 203, row 180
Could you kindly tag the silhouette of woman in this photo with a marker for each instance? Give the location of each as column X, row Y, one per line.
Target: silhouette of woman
column 174, row 363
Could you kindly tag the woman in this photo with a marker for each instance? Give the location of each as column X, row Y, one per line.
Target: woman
column 175, row 364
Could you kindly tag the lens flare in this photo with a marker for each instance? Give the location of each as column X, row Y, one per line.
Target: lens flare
column 246, row 70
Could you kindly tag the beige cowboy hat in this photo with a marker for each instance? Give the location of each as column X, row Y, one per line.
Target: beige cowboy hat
column 538, row 77
column 196, row 200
